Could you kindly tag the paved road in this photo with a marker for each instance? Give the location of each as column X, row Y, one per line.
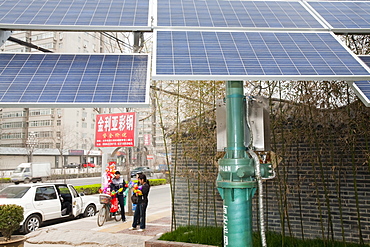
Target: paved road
column 85, row 232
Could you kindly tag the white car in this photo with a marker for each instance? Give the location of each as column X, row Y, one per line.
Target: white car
column 48, row 201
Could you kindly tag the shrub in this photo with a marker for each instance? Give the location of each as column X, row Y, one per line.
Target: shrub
column 11, row 216
column 4, row 180
column 88, row 189
column 154, row 182
column 94, row 188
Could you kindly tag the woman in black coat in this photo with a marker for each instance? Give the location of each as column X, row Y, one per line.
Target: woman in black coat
column 142, row 204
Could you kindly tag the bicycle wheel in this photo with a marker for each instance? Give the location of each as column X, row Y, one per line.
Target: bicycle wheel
column 102, row 216
column 118, row 215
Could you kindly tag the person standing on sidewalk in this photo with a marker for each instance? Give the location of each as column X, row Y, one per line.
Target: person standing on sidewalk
column 140, row 212
column 118, row 185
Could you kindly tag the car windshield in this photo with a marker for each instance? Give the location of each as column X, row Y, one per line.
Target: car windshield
column 19, row 169
column 13, row 192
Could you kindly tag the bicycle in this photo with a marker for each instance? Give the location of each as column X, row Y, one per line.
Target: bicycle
column 104, row 213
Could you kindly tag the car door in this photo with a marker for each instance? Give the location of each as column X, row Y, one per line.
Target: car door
column 47, row 202
column 77, row 203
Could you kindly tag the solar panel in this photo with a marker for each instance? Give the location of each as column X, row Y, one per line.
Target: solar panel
column 366, row 60
column 345, row 16
column 103, row 80
column 208, row 55
column 104, row 15
column 235, row 14
column 362, row 90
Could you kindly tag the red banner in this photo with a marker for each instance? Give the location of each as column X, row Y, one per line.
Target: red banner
column 147, row 139
column 116, row 130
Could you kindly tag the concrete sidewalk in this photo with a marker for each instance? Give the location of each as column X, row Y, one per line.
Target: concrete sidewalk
column 85, row 232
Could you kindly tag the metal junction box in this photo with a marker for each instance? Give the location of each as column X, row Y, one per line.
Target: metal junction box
column 259, row 122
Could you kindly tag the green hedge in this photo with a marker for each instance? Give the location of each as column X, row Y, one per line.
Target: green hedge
column 154, row 182
column 88, row 189
column 94, row 188
column 4, row 180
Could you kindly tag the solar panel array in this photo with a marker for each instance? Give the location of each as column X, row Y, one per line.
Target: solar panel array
column 75, row 14
column 347, row 16
column 220, row 13
column 253, row 55
column 254, row 40
column 128, row 15
column 73, row 80
column 194, row 39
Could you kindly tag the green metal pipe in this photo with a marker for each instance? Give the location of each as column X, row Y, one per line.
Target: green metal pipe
column 235, row 180
column 238, row 217
column 235, row 114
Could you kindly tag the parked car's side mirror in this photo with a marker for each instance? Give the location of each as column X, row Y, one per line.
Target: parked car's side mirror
column 81, row 194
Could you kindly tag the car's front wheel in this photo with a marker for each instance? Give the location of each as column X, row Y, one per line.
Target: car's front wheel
column 90, row 211
column 32, row 223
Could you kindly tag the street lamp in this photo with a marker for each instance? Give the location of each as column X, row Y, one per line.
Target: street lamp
column 31, row 144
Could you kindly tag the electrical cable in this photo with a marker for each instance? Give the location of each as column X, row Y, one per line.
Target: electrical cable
column 258, row 177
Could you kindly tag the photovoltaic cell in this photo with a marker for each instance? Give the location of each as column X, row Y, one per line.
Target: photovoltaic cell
column 220, row 13
column 202, row 55
column 362, row 88
column 366, row 60
column 73, row 80
column 75, row 14
column 344, row 14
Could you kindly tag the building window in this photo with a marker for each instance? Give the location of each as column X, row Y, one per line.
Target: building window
column 43, row 35
column 40, row 123
column 41, row 112
column 59, row 122
column 44, row 134
column 19, row 135
column 13, row 125
column 14, row 114
column 84, row 125
column 45, row 145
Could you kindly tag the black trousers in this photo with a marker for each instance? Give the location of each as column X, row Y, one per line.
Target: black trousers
column 140, row 215
column 121, row 201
